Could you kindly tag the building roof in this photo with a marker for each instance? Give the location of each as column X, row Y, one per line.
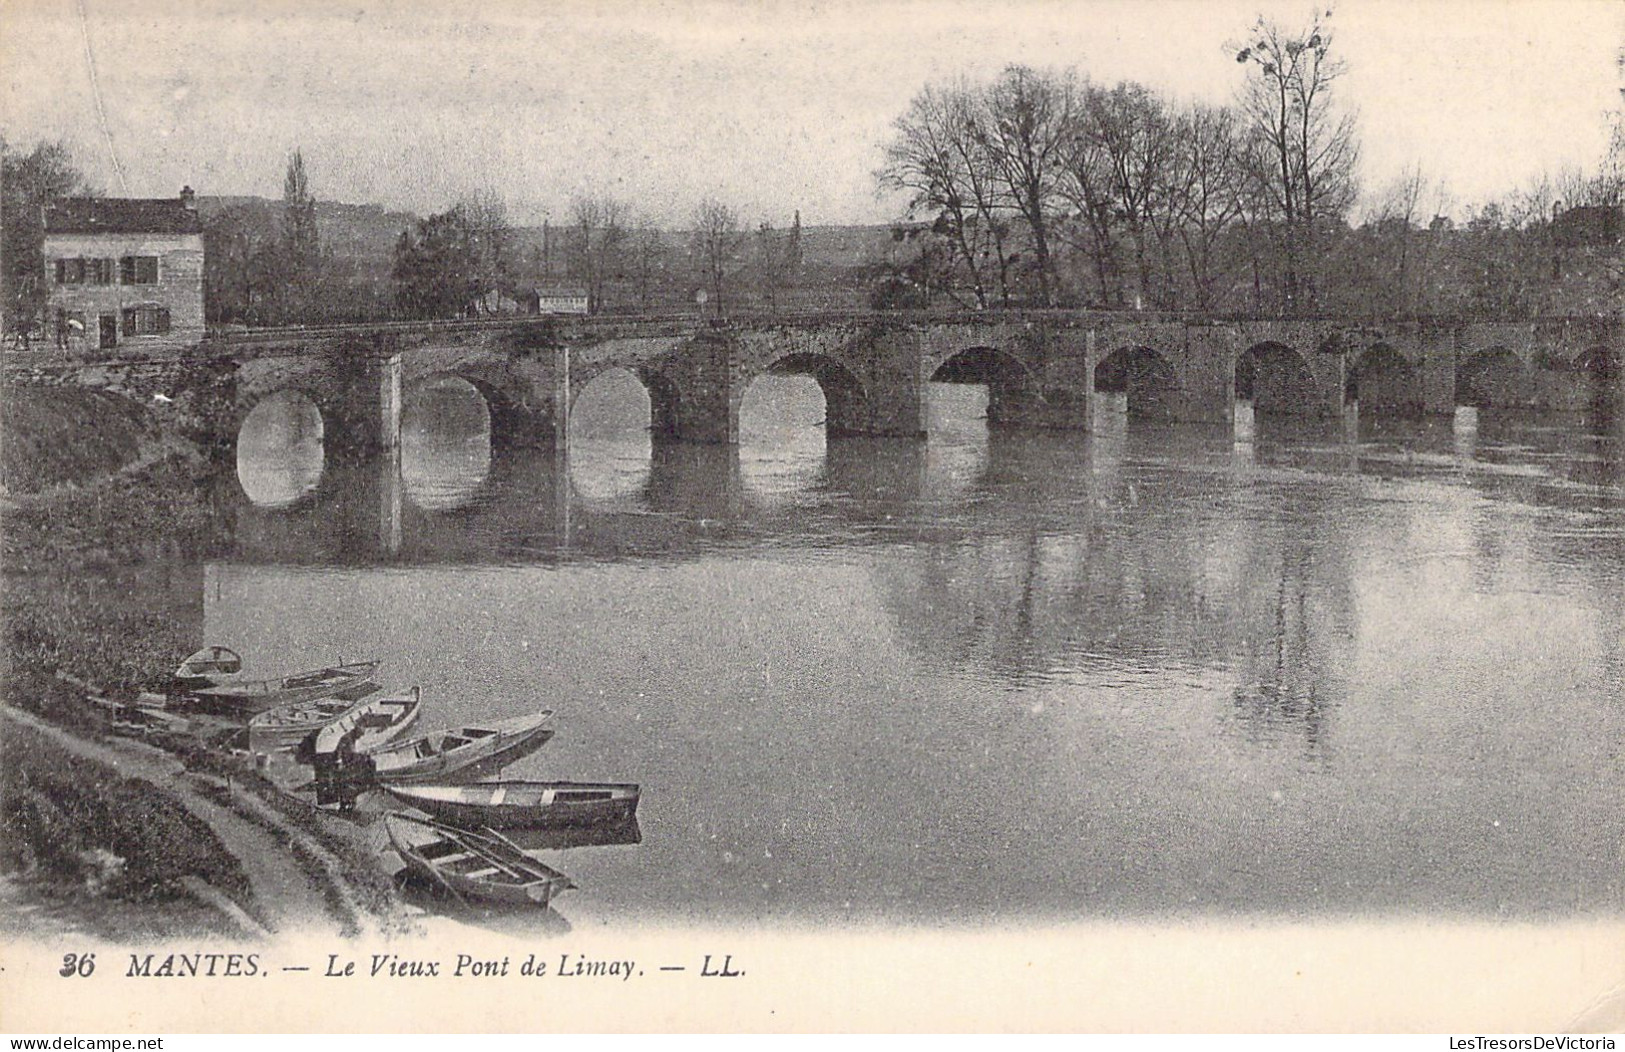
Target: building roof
column 121, row 215
column 560, row 291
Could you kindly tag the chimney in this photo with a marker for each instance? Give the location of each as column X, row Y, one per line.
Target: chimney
column 188, row 199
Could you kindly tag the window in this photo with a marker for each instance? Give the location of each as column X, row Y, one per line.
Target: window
column 138, row 270
column 99, row 271
column 146, row 321
column 70, row 272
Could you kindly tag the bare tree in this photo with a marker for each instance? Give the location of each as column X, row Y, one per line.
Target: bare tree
column 1209, row 201
column 1026, row 131
column 29, row 182
column 491, row 239
column 1086, row 185
column 1136, row 137
column 1303, row 150
column 716, row 244
column 769, row 264
column 647, row 249
column 936, row 155
column 1394, row 220
column 597, row 234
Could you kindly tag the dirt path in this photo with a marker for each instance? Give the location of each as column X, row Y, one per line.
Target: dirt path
column 296, row 882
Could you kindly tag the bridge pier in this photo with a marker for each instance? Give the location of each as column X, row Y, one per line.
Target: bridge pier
column 389, row 403
column 1439, row 348
column 895, row 406
column 1210, row 374
column 704, row 371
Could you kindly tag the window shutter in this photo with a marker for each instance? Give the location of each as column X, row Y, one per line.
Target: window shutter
column 61, row 272
column 163, row 319
column 126, row 270
column 129, row 321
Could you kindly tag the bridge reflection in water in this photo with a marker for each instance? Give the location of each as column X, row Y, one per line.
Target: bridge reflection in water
column 1308, row 668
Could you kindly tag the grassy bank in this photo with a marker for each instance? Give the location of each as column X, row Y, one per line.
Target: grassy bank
column 96, row 493
column 58, row 436
column 94, row 834
column 108, row 521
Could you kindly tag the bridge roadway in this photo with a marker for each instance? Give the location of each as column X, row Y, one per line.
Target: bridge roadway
column 1042, row 368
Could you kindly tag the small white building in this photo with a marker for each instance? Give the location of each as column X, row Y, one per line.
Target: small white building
column 125, row 274
column 559, row 299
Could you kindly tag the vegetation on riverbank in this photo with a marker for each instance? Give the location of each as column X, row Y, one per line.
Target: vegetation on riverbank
column 86, row 827
column 56, row 436
column 94, row 593
column 98, row 491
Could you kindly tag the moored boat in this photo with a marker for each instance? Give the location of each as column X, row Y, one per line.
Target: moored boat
column 210, row 663
column 285, row 726
column 473, row 864
column 248, row 697
column 523, row 805
column 376, row 721
column 463, row 755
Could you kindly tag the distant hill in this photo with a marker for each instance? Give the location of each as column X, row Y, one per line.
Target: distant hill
column 361, row 239
column 363, row 236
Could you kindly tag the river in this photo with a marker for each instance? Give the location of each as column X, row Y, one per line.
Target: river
column 1295, row 671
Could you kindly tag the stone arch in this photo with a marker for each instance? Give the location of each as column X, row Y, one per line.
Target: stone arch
column 1385, row 383
column 846, row 402
column 280, row 442
column 1494, row 378
column 1012, row 389
column 662, row 390
column 325, row 409
column 496, row 403
column 1277, row 380
column 1146, row 377
column 516, row 421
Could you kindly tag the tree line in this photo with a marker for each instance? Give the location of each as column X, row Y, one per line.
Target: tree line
column 1032, row 188
column 469, row 258
column 1042, row 188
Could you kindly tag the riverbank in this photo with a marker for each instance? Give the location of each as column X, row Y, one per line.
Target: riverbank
column 124, row 838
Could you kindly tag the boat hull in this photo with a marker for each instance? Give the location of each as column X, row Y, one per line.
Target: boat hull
column 473, row 865
column 469, row 762
column 246, row 700
column 523, row 805
column 285, row 726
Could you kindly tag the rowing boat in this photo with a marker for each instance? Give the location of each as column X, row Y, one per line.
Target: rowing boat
column 286, row 726
column 375, row 722
column 480, row 865
column 523, row 805
column 247, row 698
column 210, row 663
column 463, row 755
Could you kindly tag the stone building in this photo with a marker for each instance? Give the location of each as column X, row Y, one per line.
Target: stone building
column 125, row 274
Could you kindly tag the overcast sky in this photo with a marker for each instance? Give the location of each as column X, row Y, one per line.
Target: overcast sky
column 769, row 106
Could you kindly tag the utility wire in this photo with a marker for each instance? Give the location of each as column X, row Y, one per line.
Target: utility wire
column 96, row 93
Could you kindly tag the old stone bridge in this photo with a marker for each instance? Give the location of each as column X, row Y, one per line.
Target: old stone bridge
column 1042, row 369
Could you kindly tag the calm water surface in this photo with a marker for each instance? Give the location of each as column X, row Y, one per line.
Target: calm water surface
column 1297, row 671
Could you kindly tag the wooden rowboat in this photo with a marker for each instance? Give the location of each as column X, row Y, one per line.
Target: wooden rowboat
column 473, row 865
column 285, row 726
column 463, row 755
column 378, row 720
column 523, row 805
column 245, row 699
column 210, row 663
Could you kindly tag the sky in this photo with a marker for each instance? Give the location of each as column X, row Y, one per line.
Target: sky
column 770, row 106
